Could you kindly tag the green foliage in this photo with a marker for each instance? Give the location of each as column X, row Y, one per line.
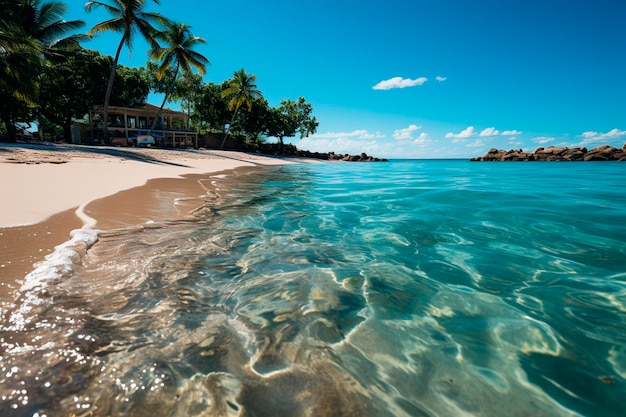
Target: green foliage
column 129, row 17
column 210, row 109
column 241, row 90
column 292, row 117
column 255, row 122
column 70, row 87
column 158, row 85
column 132, row 87
column 178, row 50
column 177, row 53
column 30, row 32
column 46, row 75
column 187, row 89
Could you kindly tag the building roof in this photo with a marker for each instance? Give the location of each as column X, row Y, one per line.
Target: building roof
column 144, row 109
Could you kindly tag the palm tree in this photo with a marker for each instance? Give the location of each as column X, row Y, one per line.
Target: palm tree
column 242, row 90
column 177, row 53
column 129, row 17
column 44, row 22
column 30, row 30
column 20, row 63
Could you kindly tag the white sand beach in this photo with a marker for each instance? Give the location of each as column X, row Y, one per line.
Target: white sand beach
column 39, row 181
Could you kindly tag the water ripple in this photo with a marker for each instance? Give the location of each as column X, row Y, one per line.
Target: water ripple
column 414, row 288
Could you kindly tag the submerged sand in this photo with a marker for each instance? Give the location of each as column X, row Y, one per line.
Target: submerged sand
column 48, row 190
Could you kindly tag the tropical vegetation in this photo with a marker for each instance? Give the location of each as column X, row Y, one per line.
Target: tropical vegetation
column 240, row 90
column 31, row 33
column 50, row 80
column 179, row 54
column 129, row 17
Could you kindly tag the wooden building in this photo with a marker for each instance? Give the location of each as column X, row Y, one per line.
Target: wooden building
column 131, row 125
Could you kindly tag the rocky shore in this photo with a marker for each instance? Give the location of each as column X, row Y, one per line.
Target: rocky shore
column 363, row 157
column 599, row 153
column 291, row 150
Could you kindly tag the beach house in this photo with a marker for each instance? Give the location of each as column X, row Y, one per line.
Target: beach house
column 132, row 126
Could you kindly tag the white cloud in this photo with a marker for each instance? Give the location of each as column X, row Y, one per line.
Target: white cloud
column 543, row 140
column 339, row 145
column 511, row 132
column 477, row 143
column 469, row 132
column 408, row 142
column 358, row 134
column 490, row 131
column 464, row 134
column 407, row 133
column 422, row 139
column 399, row 82
column 440, row 78
column 354, row 142
column 592, row 137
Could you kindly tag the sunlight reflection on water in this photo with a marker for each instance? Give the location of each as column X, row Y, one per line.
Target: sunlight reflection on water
column 401, row 289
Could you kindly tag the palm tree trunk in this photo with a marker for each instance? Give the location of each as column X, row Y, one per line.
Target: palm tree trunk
column 167, row 93
column 232, row 120
column 107, row 96
column 9, row 123
column 67, row 129
column 6, row 113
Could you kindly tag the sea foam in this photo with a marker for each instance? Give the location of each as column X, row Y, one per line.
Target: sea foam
column 58, row 264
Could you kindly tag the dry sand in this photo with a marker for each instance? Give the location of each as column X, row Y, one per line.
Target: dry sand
column 39, row 181
column 48, row 190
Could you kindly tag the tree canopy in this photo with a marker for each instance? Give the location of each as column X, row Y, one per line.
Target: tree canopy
column 47, row 76
column 129, row 17
column 178, row 54
column 241, row 90
column 30, row 30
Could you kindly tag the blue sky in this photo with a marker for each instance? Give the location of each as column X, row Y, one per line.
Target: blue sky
column 420, row 79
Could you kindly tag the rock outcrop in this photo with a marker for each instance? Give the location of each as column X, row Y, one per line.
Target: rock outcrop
column 363, row 157
column 599, row 153
column 331, row 156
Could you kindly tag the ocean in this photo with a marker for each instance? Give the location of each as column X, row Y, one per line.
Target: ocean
column 429, row 288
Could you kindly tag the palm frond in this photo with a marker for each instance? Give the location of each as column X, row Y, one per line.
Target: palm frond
column 115, row 11
column 112, row 25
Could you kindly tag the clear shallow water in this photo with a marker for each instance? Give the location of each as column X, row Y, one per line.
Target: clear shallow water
column 412, row 288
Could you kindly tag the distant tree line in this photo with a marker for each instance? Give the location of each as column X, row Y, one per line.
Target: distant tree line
column 48, row 78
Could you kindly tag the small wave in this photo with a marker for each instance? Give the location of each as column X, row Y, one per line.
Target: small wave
column 58, row 264
column 62, row 260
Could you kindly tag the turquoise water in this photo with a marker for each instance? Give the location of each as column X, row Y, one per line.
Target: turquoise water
column 408, row 288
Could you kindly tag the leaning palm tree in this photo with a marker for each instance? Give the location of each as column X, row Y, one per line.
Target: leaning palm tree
column 20, row 64
column 242, row 90
column 30, row 30
column 129, row 17
column 43, row 21
column 178, row 53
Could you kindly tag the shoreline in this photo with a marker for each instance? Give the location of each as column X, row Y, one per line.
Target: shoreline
column 41, row 180
column 48, row 191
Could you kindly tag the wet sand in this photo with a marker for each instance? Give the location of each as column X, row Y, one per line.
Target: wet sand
column 48, row 191
column 22, row 246
column 157, row 200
